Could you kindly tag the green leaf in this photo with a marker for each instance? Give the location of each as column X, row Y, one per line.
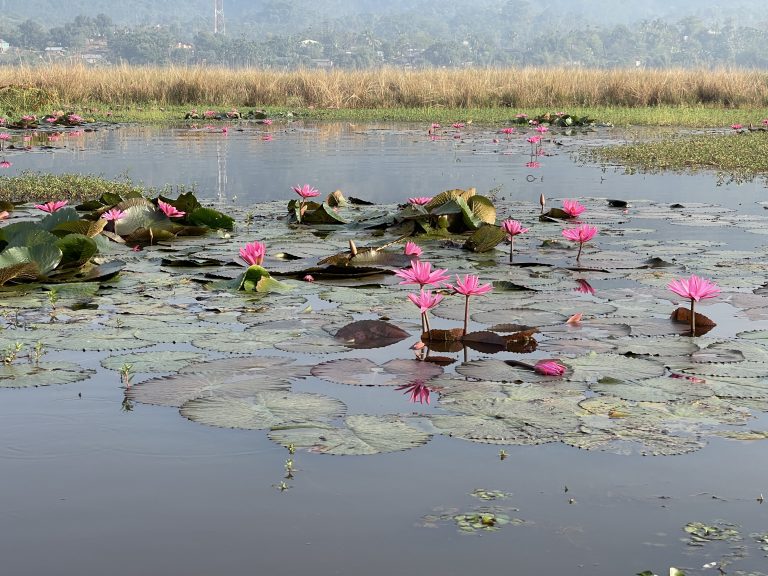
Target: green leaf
column 322, row 215
column 76, row 249
column 265, row 409
column 362, row 434
column 211, row 218
column 66, row 214
column 485, row 238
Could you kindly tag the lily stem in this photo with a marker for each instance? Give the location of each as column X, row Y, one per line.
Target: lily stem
column 466, row 315
column 693, row 318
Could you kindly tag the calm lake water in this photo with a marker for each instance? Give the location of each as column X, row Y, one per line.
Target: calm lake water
column 89, row 489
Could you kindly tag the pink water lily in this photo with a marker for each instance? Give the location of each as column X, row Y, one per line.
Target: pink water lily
column 584, row 287
column 694, row 288
column 420, row 200
column 469, row 286
column 4, row 214
column 737, row 126
column 113, row 215
column 512, row 228
column 549, row 368
column 573, row 208
column 582, row 234
column 305, row 191
column 267, row 122
column 418, row 391
column 253, row 253
column 533, row 139
column 5, row 164
column 458, row 125
column 425, row 300
column 533, row 164
column 412, row 249
column 421, row 273
column 169, row 210
column 52, row 207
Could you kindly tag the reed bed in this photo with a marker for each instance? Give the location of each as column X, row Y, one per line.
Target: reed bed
column 392, row 88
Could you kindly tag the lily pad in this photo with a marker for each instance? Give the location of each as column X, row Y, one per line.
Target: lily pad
column 361, row 434
column 154, row 361
column 24, row 375
column 365, row 372
column 264, row 409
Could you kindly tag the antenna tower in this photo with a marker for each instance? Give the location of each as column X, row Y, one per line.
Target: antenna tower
column 218, row 16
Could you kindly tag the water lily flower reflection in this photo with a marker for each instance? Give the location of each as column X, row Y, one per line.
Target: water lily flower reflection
column 694, row 288
column 113, row 215
column 549, row 368
column 170, row 211
column 418, row 391
column 253, row 253
column 51, row 207
column 583, row 233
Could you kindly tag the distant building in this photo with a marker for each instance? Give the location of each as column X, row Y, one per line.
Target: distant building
column 92, row 58
column 322, row 63
column 4, row 46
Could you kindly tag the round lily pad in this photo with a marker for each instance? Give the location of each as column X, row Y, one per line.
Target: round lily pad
column 361, row 434
column 154, row 361
column 263, row 410
column 24, row 375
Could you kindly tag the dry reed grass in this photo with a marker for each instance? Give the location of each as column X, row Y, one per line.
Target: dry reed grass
column 394, row 88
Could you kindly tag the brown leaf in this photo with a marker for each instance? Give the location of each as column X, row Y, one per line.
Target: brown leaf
column 370, row 334
column 703, row 324
column 452, row 335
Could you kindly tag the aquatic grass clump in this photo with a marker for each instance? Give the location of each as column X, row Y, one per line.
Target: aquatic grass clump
column 741, row 154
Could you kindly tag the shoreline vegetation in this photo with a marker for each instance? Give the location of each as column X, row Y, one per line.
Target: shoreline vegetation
column 622, row 98
column 673, row 97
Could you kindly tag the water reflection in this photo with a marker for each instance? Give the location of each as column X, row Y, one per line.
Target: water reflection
column 383, row 162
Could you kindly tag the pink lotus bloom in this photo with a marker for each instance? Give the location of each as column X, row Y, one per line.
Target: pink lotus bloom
column 573, row 208
column 436, row 126
column 308, row 278
column 542, row 129
column 5, row 164
column 469, row 286
column 420, row 200
column 513, row 228
column 425, row 300
column 421, row 273
column 575, row 319
column 113, row 215
column 170, row 211
column 507, row 131
column 306, row 191
column 29, row 118
column 458, row 125
column 533, row 122
column 209, row 113
column 549, row 368
column 2, row 120
column 584, row 287
column 51, row 207
column 737, row 126
column 694, row 288
column 50, row 119
column 533, row 164
column 267, row 137
column 74, row 118
column 412, row 249
column 253, row 253
column 5, row 136
column 4, row 214
column 533, row 139
column 583, row 233
column 765, row 122
column 267, row 122
column 418, row 391
column 225, row 130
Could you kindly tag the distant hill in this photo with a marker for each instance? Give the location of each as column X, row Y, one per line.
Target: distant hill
column 280, row 16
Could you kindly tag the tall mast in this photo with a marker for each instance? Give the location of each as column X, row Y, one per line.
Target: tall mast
column 218, row 17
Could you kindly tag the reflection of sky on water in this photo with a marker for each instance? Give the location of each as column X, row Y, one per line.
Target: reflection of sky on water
column 383, row 163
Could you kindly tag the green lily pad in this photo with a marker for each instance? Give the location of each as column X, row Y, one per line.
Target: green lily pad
column 154, row 361
column 264, row 409
column 365, row 372
column 24, row 375
column 361, row 434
